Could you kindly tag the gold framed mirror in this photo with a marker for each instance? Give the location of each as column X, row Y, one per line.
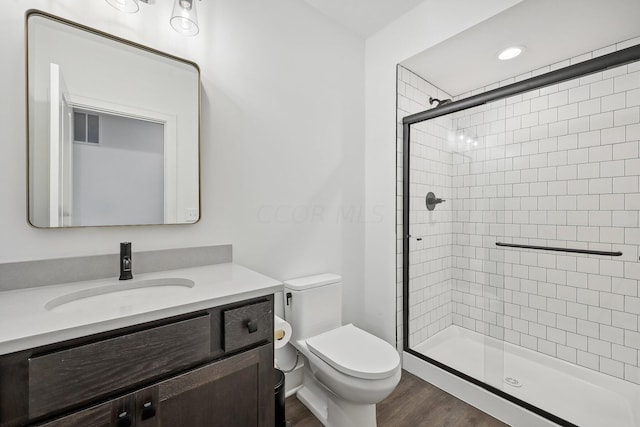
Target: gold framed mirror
column 113, row 129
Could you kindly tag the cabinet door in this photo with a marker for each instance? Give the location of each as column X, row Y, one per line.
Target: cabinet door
column 114, row 413
column 237, row 391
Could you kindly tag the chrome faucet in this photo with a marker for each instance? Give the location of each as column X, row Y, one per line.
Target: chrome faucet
column 125, row 261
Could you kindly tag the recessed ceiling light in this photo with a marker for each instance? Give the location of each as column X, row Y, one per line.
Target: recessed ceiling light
column 510, row 52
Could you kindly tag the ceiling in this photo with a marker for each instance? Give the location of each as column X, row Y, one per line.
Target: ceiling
column 551, row 31
column 364, row 17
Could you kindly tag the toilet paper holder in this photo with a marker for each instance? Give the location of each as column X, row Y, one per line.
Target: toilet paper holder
column 281, row 332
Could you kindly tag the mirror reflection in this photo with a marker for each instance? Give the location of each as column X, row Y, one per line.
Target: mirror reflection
column 113, row 130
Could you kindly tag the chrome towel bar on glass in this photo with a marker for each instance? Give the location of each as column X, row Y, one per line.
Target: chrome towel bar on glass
column 551, row 248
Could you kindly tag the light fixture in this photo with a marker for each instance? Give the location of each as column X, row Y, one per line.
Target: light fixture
column 510, row 52
column 127, row 6
column 184, row 18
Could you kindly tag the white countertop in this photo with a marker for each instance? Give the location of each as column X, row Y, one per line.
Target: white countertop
column 26, row 323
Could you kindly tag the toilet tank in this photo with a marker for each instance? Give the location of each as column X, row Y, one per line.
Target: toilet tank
column 313, row 305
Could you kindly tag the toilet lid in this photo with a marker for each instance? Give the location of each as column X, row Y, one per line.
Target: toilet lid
column 355, row 352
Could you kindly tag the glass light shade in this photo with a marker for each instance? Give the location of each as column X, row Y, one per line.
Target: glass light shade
column 184, row 18
column 128, row 6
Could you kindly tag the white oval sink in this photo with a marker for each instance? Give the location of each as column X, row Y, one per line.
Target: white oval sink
column 121, row 296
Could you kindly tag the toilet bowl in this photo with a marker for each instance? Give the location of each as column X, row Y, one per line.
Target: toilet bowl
column 347, row 370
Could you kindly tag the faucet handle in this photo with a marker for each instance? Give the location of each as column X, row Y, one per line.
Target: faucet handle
column 126, row 264
column 432, row 201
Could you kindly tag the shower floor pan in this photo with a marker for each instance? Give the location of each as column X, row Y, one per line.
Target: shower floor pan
column 576, row 394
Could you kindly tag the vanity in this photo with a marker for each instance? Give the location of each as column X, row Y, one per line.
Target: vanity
column 188, row 347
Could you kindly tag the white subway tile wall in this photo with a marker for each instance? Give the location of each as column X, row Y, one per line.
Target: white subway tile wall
column 556, row 166
column 432, row 233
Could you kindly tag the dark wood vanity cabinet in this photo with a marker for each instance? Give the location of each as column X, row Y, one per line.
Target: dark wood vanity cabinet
column 225, row 393
column 203, row 369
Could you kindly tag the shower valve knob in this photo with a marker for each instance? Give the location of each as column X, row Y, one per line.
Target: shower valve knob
column 432, row 201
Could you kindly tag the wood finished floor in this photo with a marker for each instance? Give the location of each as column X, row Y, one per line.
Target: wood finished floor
column 414, row 403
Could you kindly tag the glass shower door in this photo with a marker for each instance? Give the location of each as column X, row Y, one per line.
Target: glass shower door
column 525, row 281
column 457, row 195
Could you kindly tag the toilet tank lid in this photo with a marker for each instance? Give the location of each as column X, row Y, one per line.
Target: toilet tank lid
column 312, row 281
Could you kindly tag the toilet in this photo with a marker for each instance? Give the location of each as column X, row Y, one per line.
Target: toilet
column 347, row 370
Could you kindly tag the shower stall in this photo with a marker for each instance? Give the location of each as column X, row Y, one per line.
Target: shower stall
column 520, row 239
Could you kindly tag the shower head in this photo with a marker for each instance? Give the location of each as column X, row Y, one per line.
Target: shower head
column 438, row 101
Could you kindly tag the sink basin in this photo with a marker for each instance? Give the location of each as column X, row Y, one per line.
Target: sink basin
column 121, row 296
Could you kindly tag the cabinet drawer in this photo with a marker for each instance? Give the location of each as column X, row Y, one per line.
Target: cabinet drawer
column 81, row 374
column 247, row 325
column 103, row 415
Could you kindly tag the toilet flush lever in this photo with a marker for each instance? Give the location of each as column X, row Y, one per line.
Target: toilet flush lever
column 288, row 298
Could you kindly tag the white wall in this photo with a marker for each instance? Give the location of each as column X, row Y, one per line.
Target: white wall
column 121, row 179
column 281, row 148
column 428, row 24
column 288, row 109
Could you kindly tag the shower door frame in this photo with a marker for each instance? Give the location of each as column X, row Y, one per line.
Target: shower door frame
column 601, row 63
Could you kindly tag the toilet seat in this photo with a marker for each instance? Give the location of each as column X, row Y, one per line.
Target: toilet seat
column 355, row 352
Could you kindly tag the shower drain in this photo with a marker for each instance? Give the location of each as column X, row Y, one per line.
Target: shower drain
column 513, row 382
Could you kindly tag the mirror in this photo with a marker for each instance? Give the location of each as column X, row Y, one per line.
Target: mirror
column 113, row 130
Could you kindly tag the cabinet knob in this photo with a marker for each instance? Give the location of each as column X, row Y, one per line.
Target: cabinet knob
column 124, row 420
column 148, row 411
column 252, row 326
